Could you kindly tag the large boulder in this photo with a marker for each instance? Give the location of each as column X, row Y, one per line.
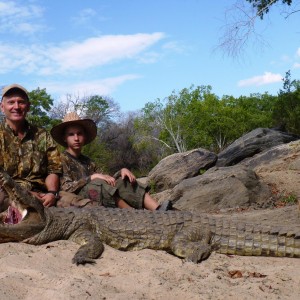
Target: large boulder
column 174, row 168
column 252, row 143
column 221, row 188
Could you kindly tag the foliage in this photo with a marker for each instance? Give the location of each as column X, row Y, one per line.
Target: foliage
column 99, row 153
column 288, row 198
column 97, row 108
column 286, row 113
column 115, row 148
column 152, row 187
column 40, row 105
column 173, row 120
column 196, row 117
column 262, row 7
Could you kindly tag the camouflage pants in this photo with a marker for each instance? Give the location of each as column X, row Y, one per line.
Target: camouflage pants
column 98, row 192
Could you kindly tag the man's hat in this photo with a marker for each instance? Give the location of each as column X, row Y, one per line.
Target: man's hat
column 72, row 118
column 14, row 87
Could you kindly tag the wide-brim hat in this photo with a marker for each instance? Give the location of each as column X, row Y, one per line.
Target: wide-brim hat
column 72, row 118
column 14, row 87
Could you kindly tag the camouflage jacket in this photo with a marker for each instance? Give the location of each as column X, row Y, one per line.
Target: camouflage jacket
column 30, row 160
column 76, row 172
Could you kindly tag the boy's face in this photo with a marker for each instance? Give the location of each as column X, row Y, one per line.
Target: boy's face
column 75, row 137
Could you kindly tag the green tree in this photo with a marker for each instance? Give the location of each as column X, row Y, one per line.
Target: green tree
column 197, row 118
column 217, row 122
column 100, row 153
column 171, row 121
column 254, row 111
column 286, row 113
column 98, row 108
column 40, row 105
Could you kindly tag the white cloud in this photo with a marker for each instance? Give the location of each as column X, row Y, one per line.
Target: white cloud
column 26, row 60
column 298, row 52
column 20, row 19
column 102, row 50
column 264, row 79
column 96, row 87
column 91, row 53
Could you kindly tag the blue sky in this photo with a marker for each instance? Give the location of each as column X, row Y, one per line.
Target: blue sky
column 136, row 51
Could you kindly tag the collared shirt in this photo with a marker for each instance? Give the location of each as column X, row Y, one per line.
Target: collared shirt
column 76, row 172
column 31, row 159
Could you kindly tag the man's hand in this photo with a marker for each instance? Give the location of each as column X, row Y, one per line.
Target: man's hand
column 47, row 199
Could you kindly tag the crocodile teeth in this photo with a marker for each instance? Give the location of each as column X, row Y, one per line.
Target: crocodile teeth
column 14, row 216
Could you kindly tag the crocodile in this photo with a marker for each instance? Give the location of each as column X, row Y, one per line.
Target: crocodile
column 187, row 235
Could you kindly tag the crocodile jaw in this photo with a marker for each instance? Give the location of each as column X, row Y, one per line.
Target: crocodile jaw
column 16, row 226
column 13, row 215
column 25, row 216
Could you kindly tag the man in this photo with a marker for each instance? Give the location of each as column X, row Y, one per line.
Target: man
column 80, row 175
column 27, row 153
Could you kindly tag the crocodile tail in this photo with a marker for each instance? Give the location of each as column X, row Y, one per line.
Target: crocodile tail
column 255, row 240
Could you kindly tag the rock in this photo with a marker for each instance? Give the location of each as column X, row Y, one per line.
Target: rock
column 252, row 143
column 221, row 188
column 174, row 168
column 266, row 175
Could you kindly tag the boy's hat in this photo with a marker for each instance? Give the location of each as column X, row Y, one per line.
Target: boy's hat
column 72, row 118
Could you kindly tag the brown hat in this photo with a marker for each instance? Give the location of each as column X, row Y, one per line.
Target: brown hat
column 72, row 118
column 16, row 87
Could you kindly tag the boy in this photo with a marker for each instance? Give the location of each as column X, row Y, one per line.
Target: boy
column 81, row 177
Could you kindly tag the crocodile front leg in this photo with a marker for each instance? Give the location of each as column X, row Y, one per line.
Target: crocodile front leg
column 91, row 246
column 193, row 244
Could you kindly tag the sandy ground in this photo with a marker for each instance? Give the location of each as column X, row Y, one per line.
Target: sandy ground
column 46, row 272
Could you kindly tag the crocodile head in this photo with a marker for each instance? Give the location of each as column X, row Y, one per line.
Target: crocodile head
column 25, row 215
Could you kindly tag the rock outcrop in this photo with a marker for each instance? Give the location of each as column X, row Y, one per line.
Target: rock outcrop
column 257, row 170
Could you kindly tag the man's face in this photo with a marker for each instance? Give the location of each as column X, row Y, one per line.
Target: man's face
column 15, row 107
column 75, row 137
